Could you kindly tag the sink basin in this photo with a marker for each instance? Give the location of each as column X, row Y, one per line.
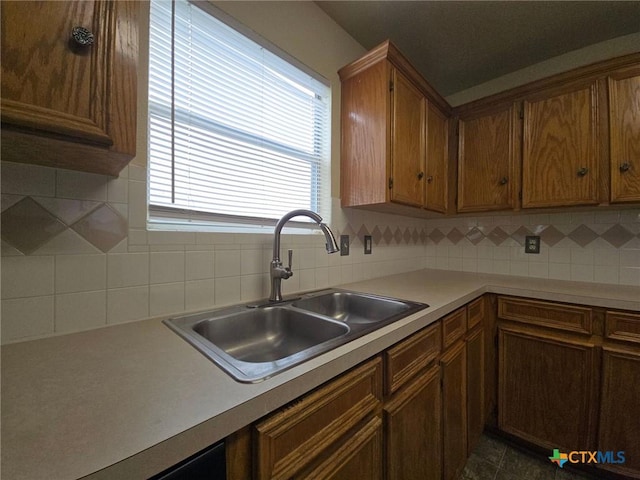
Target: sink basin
column 254, row 343
column 268, row 334
column 352, row 307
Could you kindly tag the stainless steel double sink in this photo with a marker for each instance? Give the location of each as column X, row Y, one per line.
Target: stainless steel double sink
column 255, row 343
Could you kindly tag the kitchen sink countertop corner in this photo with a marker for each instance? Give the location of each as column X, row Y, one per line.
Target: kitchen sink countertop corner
column 130, row 400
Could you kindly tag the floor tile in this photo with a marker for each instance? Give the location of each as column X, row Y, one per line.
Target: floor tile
column 526, row 465
column 490, row 449
column 478, row 469
column 495, row 459
column 564, row 474
column 502, row 475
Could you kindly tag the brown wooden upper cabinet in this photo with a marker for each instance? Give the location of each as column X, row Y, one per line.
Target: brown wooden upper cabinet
column 560, row 148
column 624, row 121
column 570, row 139
column 488, row 159
column 437, row 161
column 407, row 141
column 69, row 83
column 394, row 136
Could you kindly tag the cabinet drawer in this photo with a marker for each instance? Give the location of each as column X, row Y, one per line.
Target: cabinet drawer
column 623, row 326
column 547, row 314
column 454, row 326
column 293, row 438
column 359, row 456
column 475, row 313
column 408, row 357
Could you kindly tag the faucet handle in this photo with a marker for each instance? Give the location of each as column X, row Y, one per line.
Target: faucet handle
column 290, row 259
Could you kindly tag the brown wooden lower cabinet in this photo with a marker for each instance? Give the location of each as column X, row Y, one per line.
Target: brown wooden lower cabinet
column 569, row 378
column 620, row 407
column 358, row 456
column 399, row 416
column 298, row 441
column 476, row 408
column 546, row 388
column 413, row 430
column 454, row 410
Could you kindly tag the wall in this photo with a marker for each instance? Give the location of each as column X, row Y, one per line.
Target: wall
column 615, row 47
column 85, row 258
column 591, row 246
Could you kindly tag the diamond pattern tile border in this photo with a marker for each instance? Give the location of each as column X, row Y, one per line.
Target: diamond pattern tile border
column 617, row 236
column 28, row 223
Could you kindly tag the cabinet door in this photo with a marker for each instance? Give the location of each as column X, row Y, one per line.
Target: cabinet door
column 413, row 430
column 358, row 457
column 407, row 142
column 620, row 407
column 475, row 386
column 547, row 388
column 624, row 118
column 54, row 91
column 364, row 158
column 559, row 158
column 487, row 157
column 437, row 160
column 291, row 440
column 454, row 410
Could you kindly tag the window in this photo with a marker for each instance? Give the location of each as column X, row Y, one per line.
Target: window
column 237, row 133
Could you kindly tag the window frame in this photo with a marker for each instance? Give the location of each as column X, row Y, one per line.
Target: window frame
column 183, row 219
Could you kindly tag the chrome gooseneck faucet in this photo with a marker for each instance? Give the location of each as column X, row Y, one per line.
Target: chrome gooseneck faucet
column 278, row 271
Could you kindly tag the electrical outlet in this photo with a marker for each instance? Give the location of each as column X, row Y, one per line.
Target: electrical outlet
column 367, row 244
column 532, row 244
column 344, row 245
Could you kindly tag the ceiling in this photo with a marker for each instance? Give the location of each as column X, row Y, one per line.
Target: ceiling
column 460, row 44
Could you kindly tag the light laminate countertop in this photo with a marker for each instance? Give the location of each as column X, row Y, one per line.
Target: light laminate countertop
column 130, row 400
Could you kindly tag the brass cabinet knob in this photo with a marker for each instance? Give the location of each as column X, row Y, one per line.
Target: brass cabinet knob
column 430, row 179
column 82, row 37
column 625, row 167
column 504, row 181
column 420, row 175
column 583, row 171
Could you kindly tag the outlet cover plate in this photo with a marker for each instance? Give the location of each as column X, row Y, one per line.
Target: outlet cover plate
column 367, row 244
column 532, row 244
column 344, row 245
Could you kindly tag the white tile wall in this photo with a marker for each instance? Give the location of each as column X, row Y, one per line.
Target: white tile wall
column 199, row 294
column 79, row 273
column 166, row 267
column 127, row 269
column 27, row 276
column 166, row 298
column 80, row 311
column 126, row 304
column 199, row 265
column 67, row 287
column 27, row 317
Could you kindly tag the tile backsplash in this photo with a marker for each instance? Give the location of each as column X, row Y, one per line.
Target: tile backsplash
column 77, row 254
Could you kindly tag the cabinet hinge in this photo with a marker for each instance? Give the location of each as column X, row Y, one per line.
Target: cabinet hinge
column 520, row 194
column 521, row 114
column 391, row 85
column 458, row 129
column 390, row 183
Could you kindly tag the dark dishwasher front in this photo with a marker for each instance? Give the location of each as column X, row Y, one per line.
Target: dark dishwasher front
column 208, row 464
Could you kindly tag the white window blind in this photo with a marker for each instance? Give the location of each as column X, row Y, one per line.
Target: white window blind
column 237, row 133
